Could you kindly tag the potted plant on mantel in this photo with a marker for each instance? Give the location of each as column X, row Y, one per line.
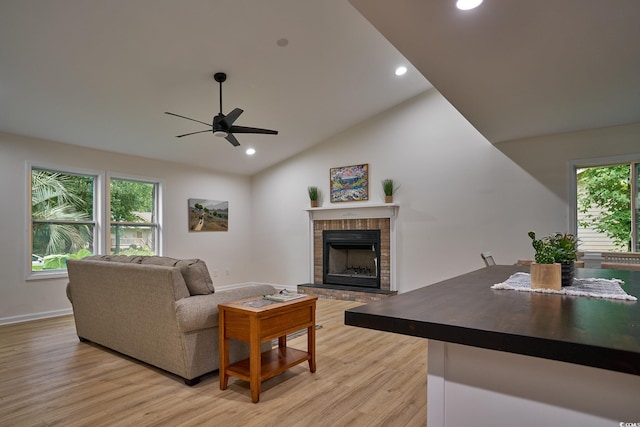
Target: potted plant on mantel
column 554, row 260
column 389, row 189
column 313, row 196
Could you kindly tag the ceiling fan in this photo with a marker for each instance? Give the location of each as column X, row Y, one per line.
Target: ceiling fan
column 223, row 125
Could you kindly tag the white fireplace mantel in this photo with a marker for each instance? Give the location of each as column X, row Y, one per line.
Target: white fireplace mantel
column 387, row 210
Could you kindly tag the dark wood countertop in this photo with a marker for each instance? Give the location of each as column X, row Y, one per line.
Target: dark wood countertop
column 601, row 333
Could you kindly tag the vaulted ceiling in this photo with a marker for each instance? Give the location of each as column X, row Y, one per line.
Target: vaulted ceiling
column 519, row 69
column 102, row 73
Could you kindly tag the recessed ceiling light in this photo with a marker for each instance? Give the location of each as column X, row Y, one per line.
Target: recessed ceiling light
column 282, row 42
column 250, row 151
column 468, row 4
column 400, row 71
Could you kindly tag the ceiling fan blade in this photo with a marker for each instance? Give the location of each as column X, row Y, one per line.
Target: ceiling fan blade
column 244, row 129
column 188, row 118
column 232, row 117
column 232, row 139
column 193, row 133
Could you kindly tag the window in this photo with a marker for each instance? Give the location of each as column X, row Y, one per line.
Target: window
column 67, row 214
column 63, row 221
column 134, row 223
column 607, row 207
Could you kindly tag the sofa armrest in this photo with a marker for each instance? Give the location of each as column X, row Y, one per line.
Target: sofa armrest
column 197, row 312
column 201, row 311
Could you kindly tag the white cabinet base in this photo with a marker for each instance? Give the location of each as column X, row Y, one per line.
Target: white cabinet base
column 474, row 386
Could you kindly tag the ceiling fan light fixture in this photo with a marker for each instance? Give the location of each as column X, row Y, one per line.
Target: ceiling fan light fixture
column 223, row 125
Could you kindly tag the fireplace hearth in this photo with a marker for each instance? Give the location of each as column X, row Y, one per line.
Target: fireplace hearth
column 351, row 258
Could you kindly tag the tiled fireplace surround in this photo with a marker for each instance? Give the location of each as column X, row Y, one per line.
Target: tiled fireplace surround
column 361, row 218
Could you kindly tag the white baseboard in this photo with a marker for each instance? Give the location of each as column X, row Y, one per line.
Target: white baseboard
column 34, row 316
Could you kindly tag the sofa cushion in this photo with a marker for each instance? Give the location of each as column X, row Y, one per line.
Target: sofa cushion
column 194, row 271
column 116, row 258
column 196, row 276
column 158, row 260
column 201, row 311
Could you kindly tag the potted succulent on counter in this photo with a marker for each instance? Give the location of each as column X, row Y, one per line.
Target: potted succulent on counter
column 566, row 253
column 545, row 271
column 560, row 249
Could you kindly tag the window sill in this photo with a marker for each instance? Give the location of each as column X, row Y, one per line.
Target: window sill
column 46, row 275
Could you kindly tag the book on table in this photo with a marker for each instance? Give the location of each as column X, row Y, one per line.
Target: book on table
column 272, row 299
column 283, row 296
column 258, row 303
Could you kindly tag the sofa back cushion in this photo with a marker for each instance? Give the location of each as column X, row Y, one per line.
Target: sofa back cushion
column 134, row 259
column 196, row 276
column 194, row 271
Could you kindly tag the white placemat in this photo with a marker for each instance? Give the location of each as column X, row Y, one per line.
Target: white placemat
column 596, row 288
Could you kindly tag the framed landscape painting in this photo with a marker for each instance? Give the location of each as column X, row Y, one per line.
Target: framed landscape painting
column 208, row 215
column 349, row 183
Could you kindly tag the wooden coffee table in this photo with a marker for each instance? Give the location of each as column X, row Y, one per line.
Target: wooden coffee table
column 256, row 325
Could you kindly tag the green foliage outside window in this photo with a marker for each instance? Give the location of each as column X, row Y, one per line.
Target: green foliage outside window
column 608, row 189
column 61, row 211
column 129, row 199
column 132, row 203
column 63, row 222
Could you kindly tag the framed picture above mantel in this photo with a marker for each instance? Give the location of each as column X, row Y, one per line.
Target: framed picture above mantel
column 349, row 183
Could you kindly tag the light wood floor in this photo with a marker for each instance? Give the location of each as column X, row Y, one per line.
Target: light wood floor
column 364, row 378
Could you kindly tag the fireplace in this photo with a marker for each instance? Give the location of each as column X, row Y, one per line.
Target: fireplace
column 351, row 258
column 376, row 227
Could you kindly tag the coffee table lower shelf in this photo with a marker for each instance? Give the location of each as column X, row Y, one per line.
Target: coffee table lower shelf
column 272, row 363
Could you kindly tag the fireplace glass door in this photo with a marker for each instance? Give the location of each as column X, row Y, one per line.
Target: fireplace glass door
column 351, row 257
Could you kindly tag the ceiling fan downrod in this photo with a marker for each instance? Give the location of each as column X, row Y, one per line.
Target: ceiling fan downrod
column 220, row 78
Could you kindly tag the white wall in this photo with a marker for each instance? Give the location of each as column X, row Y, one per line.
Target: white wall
column 458, row 196
column 21, row 299
column 548, row 157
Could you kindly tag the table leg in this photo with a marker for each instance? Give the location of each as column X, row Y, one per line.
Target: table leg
column 311, row 347
column 255, row 368
column 224, row 353
column 282, row 341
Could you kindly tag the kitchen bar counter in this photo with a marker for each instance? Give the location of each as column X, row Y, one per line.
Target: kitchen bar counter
column 602, row 333
column 567, row 338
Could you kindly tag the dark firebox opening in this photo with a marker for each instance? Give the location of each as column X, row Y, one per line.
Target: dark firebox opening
column 351, row 257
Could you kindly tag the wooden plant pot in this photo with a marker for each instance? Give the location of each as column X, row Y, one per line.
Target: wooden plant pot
column 314, row 203
column 388, row 199
column 546, row 276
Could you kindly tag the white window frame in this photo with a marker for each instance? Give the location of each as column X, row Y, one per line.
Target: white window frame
column 157, row 204
column 597, row 162
column 97, row 209
column 101, row 209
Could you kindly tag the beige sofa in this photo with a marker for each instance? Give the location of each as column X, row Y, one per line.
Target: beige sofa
column 159, row 310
